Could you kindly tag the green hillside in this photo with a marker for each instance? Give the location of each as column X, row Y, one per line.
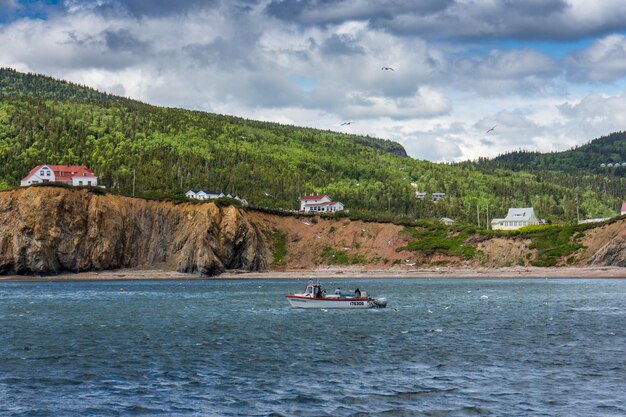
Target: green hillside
column 171, row 150
column 605, row 155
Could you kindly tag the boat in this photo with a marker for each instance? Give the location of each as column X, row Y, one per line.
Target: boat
column 314, row 296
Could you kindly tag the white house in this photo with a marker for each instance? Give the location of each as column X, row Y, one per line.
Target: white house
column 623, row 210
column 438, row 196
column 515, row 219
column 210, row 195
column 319, row 204
column 420, row 195
column 67, row 174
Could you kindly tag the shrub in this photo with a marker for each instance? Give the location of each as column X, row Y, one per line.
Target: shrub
column 279, row 248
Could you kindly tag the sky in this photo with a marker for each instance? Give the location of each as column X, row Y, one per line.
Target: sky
column 547, row 74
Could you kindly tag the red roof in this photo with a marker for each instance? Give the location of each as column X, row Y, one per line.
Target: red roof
column 328, row 203
column 68, row 171
column 312, row 197
column 623, row 206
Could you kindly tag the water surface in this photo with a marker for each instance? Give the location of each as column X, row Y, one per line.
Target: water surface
column 445, row 347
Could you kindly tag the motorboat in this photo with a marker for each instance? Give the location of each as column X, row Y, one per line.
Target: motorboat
column 314, row 296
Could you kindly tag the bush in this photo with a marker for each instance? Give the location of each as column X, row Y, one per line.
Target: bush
column 225, row 202
column 334, row 257
column 279, row 249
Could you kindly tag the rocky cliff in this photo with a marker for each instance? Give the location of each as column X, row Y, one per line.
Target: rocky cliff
column 613, row 253
column 53, row 229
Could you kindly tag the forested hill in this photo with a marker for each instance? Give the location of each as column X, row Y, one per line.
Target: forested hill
column 605, row 155
column 168, row 151
column 14, row 83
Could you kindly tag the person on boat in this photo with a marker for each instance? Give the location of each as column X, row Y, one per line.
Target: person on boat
column 318, row 294
column 357, row 292
column 338, row 291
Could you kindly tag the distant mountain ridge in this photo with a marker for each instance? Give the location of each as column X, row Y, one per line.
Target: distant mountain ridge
column 594, row 156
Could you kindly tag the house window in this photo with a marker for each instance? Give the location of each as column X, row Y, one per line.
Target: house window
column 88, row 182
column 80, row 183
column 62, row 173
column 84, row 174
column 47, row 173
column 42, row 173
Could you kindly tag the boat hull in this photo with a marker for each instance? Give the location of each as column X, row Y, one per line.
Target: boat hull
column 327, row 303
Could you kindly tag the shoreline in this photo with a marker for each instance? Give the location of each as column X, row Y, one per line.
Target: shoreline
column 334, row 273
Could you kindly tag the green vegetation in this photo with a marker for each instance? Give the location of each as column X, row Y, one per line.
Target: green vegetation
column 606, row 150
column 434, row 238
column 332, row 256
column 168, row 151
column 279, row 249
column 553, row 242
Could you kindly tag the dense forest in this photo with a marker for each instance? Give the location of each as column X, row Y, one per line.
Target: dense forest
column 168, row 151
column 605, row 156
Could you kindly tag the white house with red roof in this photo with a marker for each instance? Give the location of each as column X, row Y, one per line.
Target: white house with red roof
column 623, row 211
column 67, row 174
column 320, row 203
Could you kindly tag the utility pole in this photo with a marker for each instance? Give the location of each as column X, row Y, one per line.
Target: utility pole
column 478, row 214
column 577, row 212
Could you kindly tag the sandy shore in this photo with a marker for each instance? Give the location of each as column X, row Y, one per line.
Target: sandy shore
column 512, row 272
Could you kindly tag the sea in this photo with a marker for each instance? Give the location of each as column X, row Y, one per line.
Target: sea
column 443, row 347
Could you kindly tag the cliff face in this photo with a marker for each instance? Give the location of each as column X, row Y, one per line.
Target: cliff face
column 52, row 229
column 45, row 230
column 612, row 253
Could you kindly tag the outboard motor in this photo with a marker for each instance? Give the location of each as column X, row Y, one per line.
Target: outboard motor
column 380, row 302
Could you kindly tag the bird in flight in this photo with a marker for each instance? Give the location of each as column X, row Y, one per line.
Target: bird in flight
column 346, row 124
column 387, row 69
column 492, row 129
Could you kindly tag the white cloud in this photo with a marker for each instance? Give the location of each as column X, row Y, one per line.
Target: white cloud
column 603, row 61
column 319, row 66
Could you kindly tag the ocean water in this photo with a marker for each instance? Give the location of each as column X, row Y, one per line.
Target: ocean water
column 444, row 347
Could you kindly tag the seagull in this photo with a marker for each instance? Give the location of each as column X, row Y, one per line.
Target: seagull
column 346, row 124
column 387, row 69
column 491, row 130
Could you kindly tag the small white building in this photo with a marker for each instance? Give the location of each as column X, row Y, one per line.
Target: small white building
column 447, row 221
column 211, row 195
column 438, row 196
column 68, row 174
column 516, row 218
column 420, row 195
column 319, row 204
column 623, row 210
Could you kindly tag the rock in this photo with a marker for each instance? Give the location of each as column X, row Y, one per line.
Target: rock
column 611, row 254
column 47, row 230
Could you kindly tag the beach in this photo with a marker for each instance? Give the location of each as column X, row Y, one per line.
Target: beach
column 332, row 272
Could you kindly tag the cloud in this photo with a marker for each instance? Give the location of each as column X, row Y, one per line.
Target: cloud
column 324, row 12
column 603, row 61
column 597, row 110
column 426, row 102
column 138, row 8
column 8, row 6
column 464, row 19
column 318, row 62
column 505, row 71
